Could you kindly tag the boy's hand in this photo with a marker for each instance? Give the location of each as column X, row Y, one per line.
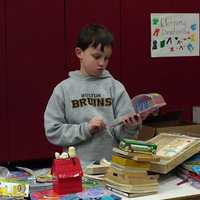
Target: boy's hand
column 132, row 120
column 95, row 125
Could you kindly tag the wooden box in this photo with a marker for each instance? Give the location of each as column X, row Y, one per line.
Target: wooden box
column 187, row 129
column 173, row 149
column 149, row 131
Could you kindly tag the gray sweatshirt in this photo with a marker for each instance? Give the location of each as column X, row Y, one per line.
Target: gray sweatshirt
column 78, row 99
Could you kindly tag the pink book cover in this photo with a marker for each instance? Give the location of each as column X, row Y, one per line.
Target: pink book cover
column 144, row 104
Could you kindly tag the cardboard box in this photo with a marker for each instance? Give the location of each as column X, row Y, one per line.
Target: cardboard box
column 187, row 129
column 151, row 130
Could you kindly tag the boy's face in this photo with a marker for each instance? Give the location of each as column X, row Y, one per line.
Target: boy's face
column 93, row 61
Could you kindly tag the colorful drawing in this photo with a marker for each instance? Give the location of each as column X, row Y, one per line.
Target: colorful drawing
column 174, row 34
column 92, row 193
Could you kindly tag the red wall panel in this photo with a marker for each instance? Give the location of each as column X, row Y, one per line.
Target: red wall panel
column 79, row 13
column 35, row 51
column 4, row 147
column 175, row 78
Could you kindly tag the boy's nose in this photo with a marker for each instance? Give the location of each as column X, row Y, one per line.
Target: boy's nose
column 102, row 62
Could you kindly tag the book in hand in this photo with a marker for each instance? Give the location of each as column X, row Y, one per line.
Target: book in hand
column 143, row 104
column 148, row 102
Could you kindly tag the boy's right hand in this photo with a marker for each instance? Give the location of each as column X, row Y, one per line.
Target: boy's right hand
column 96, row 125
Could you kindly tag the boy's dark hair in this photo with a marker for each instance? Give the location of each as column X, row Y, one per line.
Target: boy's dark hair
column 93, row 35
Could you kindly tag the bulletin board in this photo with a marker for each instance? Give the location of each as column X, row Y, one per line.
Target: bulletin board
column 174, row 34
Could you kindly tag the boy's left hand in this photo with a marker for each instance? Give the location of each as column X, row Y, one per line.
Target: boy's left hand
column 132, row 120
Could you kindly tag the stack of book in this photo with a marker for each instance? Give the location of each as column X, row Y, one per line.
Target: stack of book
column 128, row 173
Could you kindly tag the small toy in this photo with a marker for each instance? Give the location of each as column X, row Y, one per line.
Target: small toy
column 63, row 155
column 72, row 152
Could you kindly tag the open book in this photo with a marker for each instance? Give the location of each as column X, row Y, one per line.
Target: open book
column 144, row 104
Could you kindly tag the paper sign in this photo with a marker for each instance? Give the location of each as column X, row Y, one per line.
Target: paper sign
column 174, row 34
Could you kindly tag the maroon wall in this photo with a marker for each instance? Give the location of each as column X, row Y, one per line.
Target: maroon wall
column 37, row 50
column 3, row 85
column 35, row 64
column 176, row 78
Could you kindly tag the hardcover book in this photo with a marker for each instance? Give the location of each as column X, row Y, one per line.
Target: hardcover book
column 144, row 104
column 130, row 162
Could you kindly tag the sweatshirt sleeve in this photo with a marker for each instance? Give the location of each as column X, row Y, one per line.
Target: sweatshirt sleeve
column 57, row 129
column 122, row 106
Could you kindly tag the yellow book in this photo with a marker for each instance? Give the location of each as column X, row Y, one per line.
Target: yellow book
column 126, row 162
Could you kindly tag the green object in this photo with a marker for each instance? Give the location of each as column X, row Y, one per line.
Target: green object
column 137, row 145
column 162, row 43
column 155, row 21
column 89, row 183
column 144, row 148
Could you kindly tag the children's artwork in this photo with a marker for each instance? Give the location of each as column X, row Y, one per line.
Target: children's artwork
column 92, row 193
column 174, row 34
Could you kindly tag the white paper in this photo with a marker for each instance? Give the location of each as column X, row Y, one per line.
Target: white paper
column 174, row 34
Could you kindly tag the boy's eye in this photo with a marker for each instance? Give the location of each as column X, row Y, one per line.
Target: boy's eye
column 96, row 56
column 107, row 58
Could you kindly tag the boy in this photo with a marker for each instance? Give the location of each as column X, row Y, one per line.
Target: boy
column 82, row 106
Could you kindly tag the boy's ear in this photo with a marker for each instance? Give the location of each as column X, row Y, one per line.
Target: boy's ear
column 78, row 52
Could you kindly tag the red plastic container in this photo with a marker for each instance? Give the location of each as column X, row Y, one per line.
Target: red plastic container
column 67, row 175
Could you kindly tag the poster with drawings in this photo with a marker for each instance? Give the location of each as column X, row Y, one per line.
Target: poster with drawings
column 174, row 34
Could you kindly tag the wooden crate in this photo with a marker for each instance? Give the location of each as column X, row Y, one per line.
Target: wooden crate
column 173, row 149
